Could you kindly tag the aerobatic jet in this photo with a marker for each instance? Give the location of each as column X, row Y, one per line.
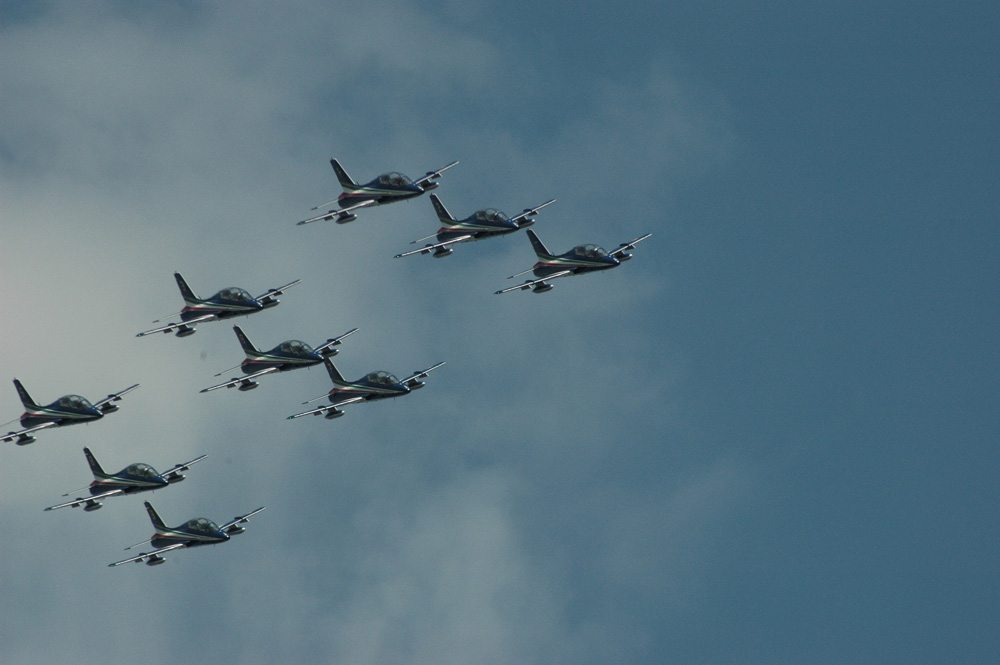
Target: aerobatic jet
column 134, row 478
column 193, row 533
column 369, row 388
column 486, row 223
column 225, row 304
column 287, row 356
column 386, row 188
column 579, row 260
column 67, row 410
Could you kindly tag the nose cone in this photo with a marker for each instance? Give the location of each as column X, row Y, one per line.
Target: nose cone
column 223, row 536
column 417, row 189
column 96, row 413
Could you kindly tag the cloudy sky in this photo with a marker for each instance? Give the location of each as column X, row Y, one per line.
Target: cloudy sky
column 771, row 437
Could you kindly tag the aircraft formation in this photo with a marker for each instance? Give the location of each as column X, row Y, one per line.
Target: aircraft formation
column 293, row 354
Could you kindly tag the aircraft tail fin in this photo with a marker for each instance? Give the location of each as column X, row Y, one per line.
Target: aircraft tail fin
column 248, row 347
column 334, row 373
column 346, row 181
column 95, row 468
column 23, row 394
column 186, row 292
column 155, row 519
column 441, row 211
column 538, row 246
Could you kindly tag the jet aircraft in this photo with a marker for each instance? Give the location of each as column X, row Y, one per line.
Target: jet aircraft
column 288, row 355
column 580, row 259
column 486, row 223
column 132, row 479
column 225, row 304
column 193, row 533
column 369, row 388
column 67, row 410
column 386, row 188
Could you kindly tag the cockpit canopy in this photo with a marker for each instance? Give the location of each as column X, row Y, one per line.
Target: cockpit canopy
column 140, row 470
column 490, row 215
column 381, row 378
column 201, row 525
column 73, row 403
column 590, row 251
column 295, row 347
column 234, row 294
column 394, row 180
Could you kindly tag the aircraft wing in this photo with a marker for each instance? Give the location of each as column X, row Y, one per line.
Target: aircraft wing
column 150, row 556
column 524, row 219
column 240, row 379
column 430, row 248
column 106, row 405
column 240, row 519
column 413, row 380
column 175, row 326
column 82, row 500
column 327, row 216
column 265, row 298
column 625, row 247
column 10, row 436
column 433, row 175
column 330, row 343
column 181, row 467
column 533, row 282
column 328, row 407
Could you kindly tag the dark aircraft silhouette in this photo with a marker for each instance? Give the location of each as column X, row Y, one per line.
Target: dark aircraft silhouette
column 579, row 260
column 287, row 356
column 486, row 223
column 225, row 304
column 193, row 533
column 132, row 479
column 369, row 388
column 386, row 188
column 67, row 410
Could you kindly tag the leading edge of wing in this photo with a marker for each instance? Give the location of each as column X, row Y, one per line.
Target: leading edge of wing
column 115, row 397
column 139, row 557
column 434, row 174
column 325, row 408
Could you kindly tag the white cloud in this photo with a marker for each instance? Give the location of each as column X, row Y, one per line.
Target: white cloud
column 143, row 142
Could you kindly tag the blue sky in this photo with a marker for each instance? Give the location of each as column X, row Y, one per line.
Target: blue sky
column 769, row 438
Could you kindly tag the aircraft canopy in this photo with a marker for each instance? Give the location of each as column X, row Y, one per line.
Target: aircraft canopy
column 73, row 403
column 141, row 470
column 394, row 179
column 234, row 294
column 490, row 215
column 589, row 251
column 295, row 347
column 201, row 525
column 381, row 378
